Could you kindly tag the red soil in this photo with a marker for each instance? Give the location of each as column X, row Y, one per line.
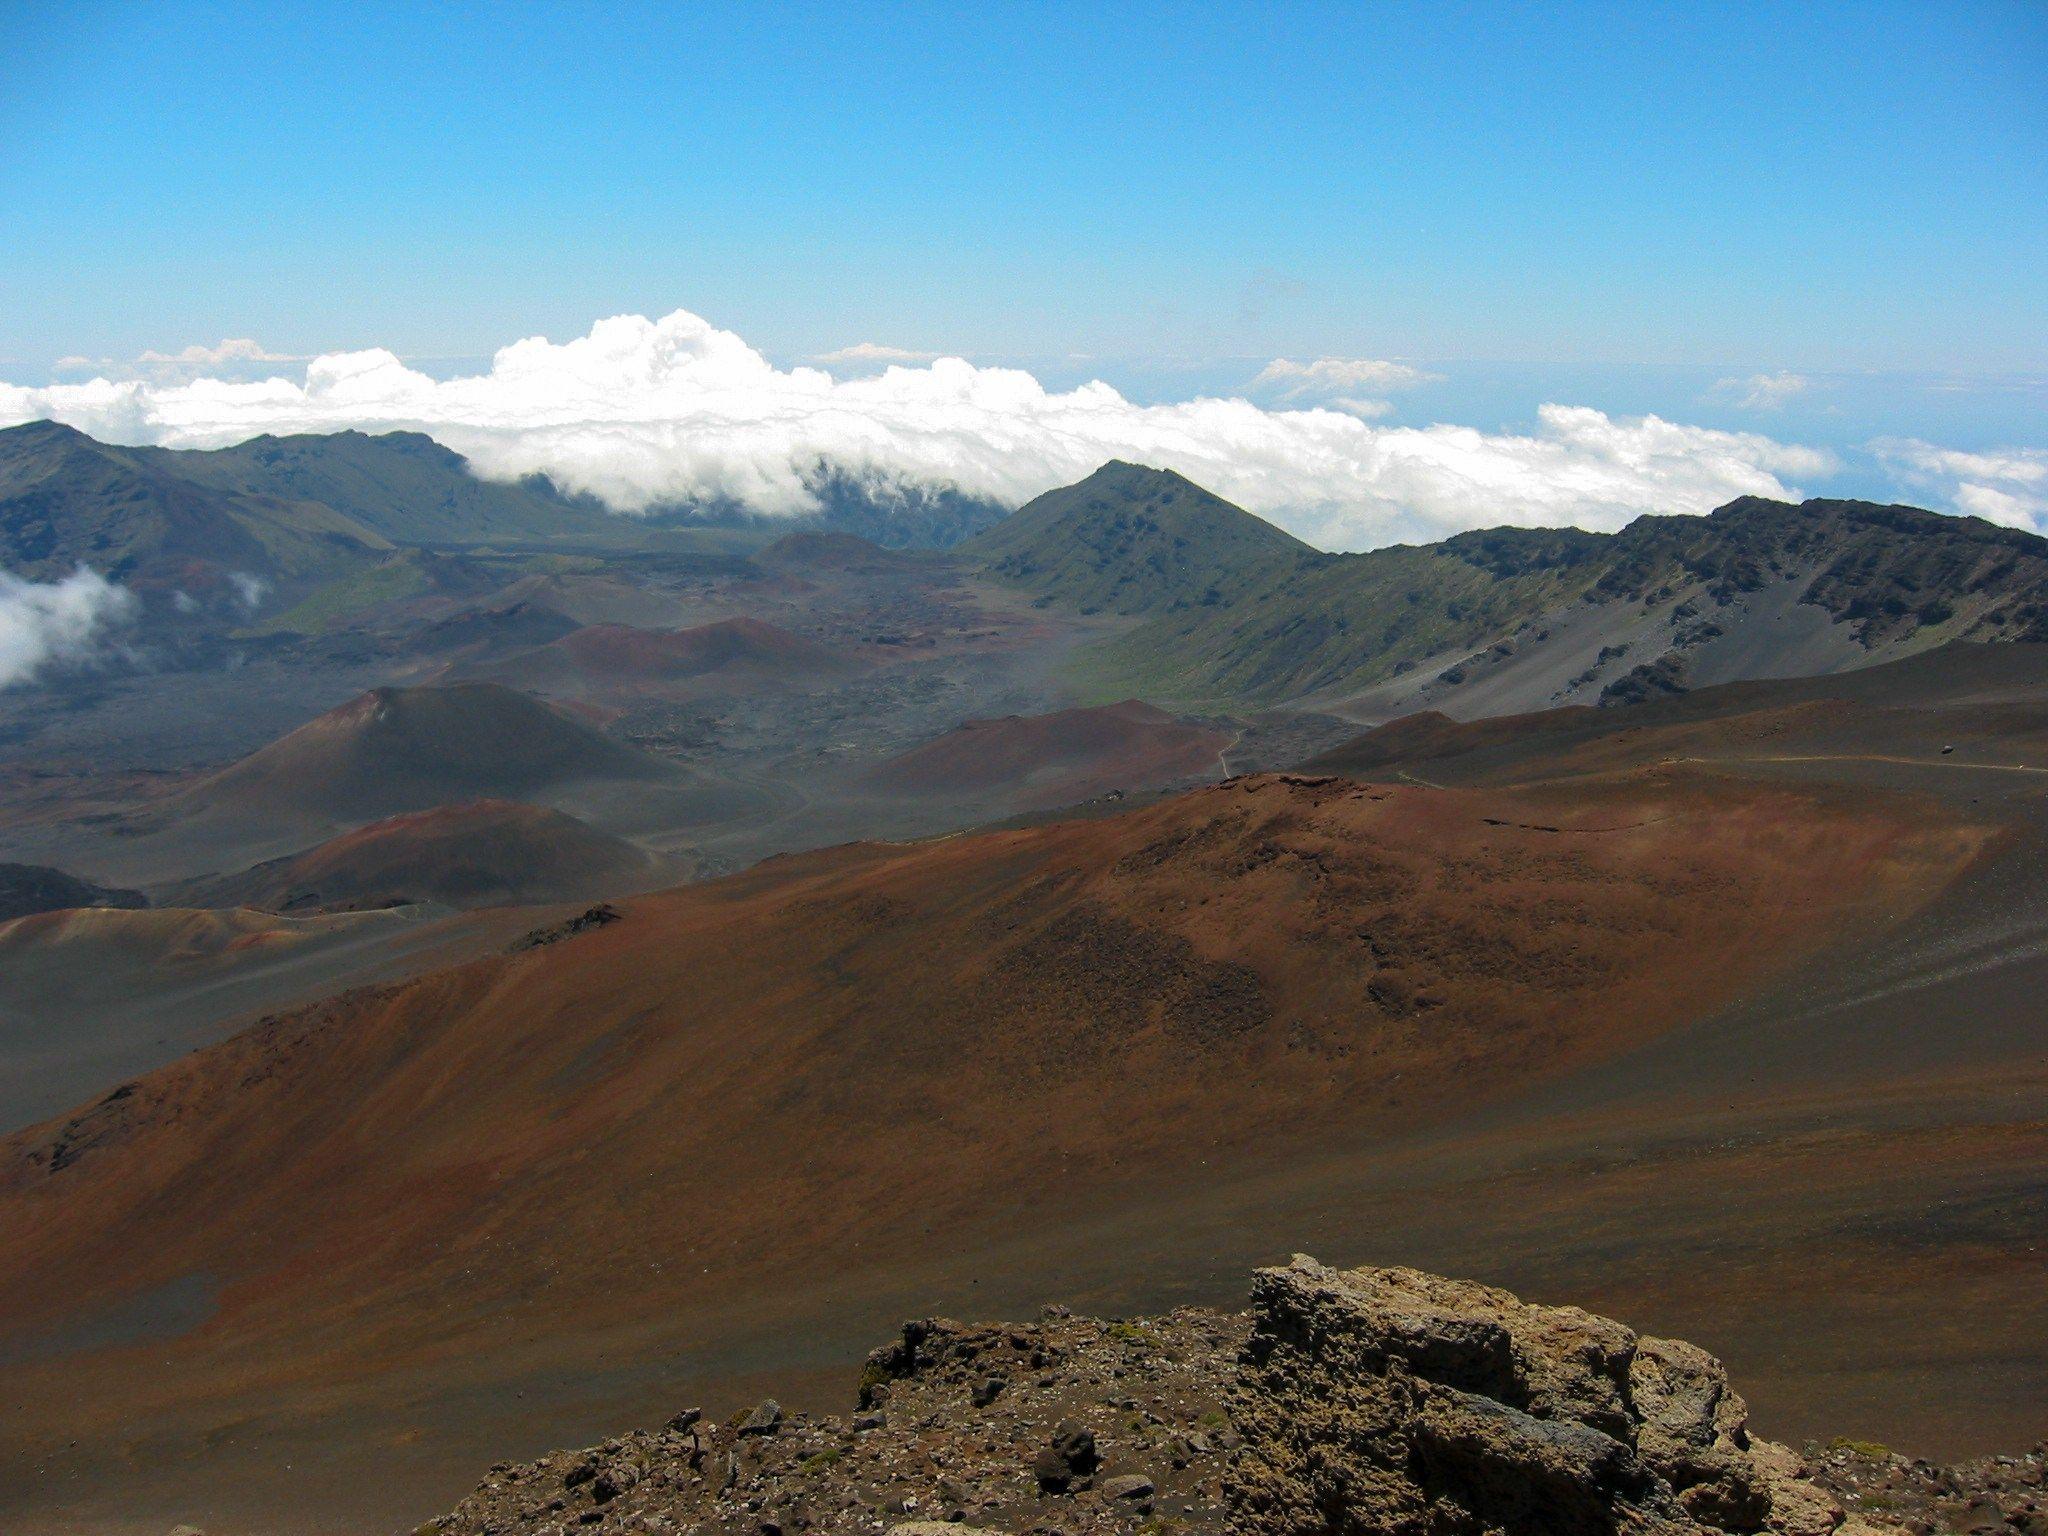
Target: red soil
column 811, row 1075
column 484, row 852
column 393, row 750
column 1056, row 759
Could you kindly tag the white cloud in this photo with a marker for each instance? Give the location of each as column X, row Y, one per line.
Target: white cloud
column 49, row 623
column 237, row 354
column 645, row 412
column 1369, row 409
column 1337, row 375
column 2006, row 485
column 1762, row 391
column 874, row 352
column 233, row 350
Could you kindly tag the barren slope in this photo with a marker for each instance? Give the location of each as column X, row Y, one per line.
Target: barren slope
column 1054, row 759
column 91, row 997
column 405, row 749
column 787, row 1099
column 727, row 656
column 478, row 853
column 1961, row 705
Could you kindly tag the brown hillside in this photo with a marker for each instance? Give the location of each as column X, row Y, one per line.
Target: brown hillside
column 393, row 750
column 1056, row 759
column 483, row 853
column 760, row 1093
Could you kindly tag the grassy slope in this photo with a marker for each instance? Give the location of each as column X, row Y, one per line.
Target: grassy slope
column 329, row 606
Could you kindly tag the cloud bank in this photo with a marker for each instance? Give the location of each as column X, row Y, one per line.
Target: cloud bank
column 50, row 623
column 242, row 349
column 641, row 413
column 2008, row 485
column 1337, row 375
column 240, row 354
column 1762, row 391
column 874, row 352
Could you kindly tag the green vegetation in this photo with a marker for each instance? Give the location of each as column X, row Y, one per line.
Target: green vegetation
column 331, row 605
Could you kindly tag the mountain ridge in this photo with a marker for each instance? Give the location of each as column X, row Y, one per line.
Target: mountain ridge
column 67, row 499
column 1756, row 587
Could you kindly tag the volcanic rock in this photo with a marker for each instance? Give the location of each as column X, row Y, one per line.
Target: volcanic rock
column 764, row 1420
column 1373, row 1400
column 1391, row 1401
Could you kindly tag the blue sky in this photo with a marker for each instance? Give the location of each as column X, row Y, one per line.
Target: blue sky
column 1753, row 186
column 1631, row 207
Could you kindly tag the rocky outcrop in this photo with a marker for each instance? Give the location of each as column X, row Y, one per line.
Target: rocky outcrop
column 1395, row 1402
column 1382, row 1401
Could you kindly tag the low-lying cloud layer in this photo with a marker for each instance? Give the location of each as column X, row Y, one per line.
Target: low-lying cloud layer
column 2008, row 486
column 51, row 623
column 647, row 412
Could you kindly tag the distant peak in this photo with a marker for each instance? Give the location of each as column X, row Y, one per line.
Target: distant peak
column 1124, row 469
column 45, row 430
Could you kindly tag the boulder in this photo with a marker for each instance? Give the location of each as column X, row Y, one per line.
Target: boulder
column 764, row 1420
column 1133, row 1488
column 1404, row 1404
column 1070, row 1457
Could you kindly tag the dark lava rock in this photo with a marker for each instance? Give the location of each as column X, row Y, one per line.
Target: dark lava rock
column 1381, row 1401
column 1071, row 1457
column 599, row 916
column 1132, row 1488
column 764, row 1420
